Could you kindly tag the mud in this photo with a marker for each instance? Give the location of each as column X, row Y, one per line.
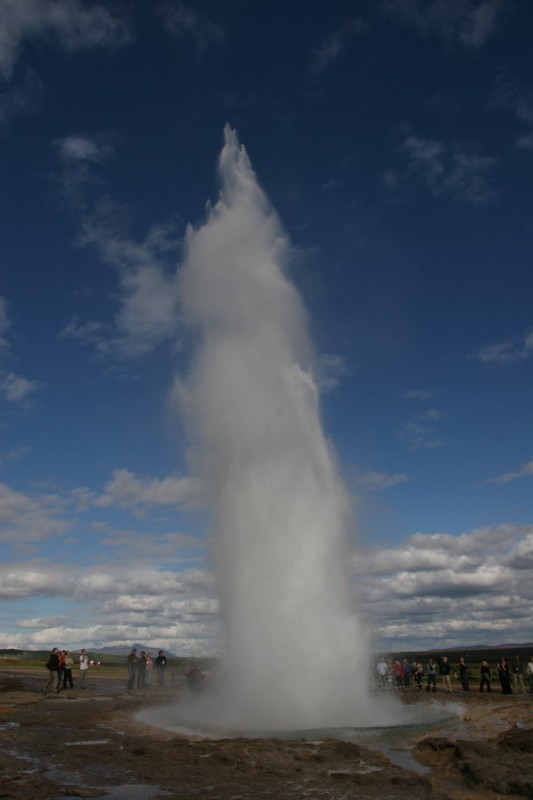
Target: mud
column 88, row 743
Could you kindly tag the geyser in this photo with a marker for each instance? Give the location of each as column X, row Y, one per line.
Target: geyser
column 295, row 652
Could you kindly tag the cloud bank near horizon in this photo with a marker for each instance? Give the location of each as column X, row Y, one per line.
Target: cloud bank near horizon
column 428, row 591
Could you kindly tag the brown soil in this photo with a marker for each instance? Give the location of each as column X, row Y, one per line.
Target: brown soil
column 89, row 744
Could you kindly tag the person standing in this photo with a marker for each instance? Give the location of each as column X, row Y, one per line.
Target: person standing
column 432, row 676
column 418, row 674
column 518, row 675
column 132, row 668
column 504, row 675
column 60, row 667
column 382, row 669
column 149, row 668
column 485, row 676
column 141, row 671
column 67, row 670
column 52, row 665
column 530, row 674
column 84, row 668
column 445, row 670
column 160, row 664
column 398, row 675
column 463, row 675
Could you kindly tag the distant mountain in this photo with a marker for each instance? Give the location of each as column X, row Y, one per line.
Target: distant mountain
column 504, row 646
column 124, row 651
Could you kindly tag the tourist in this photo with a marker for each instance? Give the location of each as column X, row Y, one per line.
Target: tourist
column 431, row 685
column 397, row 671
column 67, row 670
column 407, row 670
column 418, row 674
column 485, row 676
column 464, row 677
column 149, row 667
column 504, row 675
column 195, row 677
column 383, row 672
column 160, row 664
column 141, row 670
column 444, row 671
column 84, row 668
column 132, row 668
column 61, row 657
column 530, row 674
column 52, row 666
column 517, row 673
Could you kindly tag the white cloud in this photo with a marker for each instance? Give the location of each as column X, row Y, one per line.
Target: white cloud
column 331, row 48
column 525, row 471
column 91, row 332
column 25, row 518
column 142, row 604
column 167, row 548
column 183, row 22
column 505, row 353
column 448, row 170
column 525, row 142
column 34, row 579
column 431, row 590
column 512, row 95
column 421, row 434
column 466, row 179
column 114, row 605
column 432, row 414
column 14, row 455
column 125, row 490
column 440, row 588
column 148, row 312
column 183, row 638
column 80, row 155
column 467, row 22
column 70, row 24
column 77, row 148
column 480, row 23
column 330, row 369
column 425, row 155
column 145, row 580
column 17, row 389
column 44, row 622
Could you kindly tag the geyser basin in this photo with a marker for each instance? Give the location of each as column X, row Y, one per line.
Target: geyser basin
column 191, row 719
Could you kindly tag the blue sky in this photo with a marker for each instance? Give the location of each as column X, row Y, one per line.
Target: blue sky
column 394, row 139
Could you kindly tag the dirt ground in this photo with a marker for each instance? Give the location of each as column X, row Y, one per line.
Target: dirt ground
column 88, row 743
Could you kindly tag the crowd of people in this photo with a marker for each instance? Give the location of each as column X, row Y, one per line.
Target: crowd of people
column 60, row 664
column 140, row 668
column 405, row 674
column 396, row 675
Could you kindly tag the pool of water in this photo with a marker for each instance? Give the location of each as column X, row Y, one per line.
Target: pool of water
column 413, row 719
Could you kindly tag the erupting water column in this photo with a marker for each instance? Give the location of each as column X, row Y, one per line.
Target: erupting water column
column 295, row 651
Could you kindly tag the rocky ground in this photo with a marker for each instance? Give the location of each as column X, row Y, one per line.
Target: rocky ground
column 89, row 744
